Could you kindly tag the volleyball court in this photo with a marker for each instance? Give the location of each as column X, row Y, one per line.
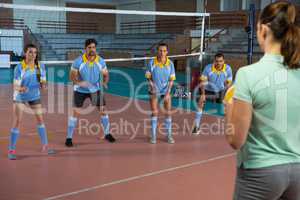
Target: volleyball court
column 195, row 167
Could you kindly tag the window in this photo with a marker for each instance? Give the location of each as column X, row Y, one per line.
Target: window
column 296, row 2
column 255, row 2
column 231, row 5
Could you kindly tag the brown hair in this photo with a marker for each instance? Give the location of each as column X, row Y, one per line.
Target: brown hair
column 28, row 46
column 161, row 44
column 36, row 61
column 280, row 18
column 90, row 41
column 218, row 55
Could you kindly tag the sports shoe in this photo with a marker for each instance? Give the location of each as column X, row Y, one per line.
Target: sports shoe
column 153, row 140
column 196, row 130
column 110, row 138
column 171, row 140
column 69, row 142
column 12, row 155
column 46, row 149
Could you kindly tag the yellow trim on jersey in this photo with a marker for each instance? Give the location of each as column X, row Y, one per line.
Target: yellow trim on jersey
column 203, row 78
column 214, row 70
column 148, row 75
column 25, row 66
column 228, row 81
column 161, row 65
column 90, row 63
column 172, row 77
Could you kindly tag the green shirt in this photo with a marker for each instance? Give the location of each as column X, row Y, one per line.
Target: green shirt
column 274, row 92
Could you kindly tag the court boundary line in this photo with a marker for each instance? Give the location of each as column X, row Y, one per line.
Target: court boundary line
column 138, row 177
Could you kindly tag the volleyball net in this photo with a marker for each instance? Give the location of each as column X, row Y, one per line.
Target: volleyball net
column 125, row 37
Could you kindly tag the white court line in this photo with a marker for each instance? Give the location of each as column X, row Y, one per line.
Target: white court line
column 126, row 180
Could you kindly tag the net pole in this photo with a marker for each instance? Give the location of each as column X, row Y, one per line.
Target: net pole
column 202, row 39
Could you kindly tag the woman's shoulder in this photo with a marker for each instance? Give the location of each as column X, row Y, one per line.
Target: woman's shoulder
column 254, row 70
column 18, row 66
column 251, row 67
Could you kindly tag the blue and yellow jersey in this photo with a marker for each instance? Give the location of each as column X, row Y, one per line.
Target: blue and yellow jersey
column 90, row 72
column 161, row 74
column 27, row 76
column 216, row 79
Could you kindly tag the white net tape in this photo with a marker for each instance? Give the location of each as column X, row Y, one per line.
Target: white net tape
column 107, row 11
column 109, row 60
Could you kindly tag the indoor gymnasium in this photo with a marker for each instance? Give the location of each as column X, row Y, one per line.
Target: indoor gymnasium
column 149, row 99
